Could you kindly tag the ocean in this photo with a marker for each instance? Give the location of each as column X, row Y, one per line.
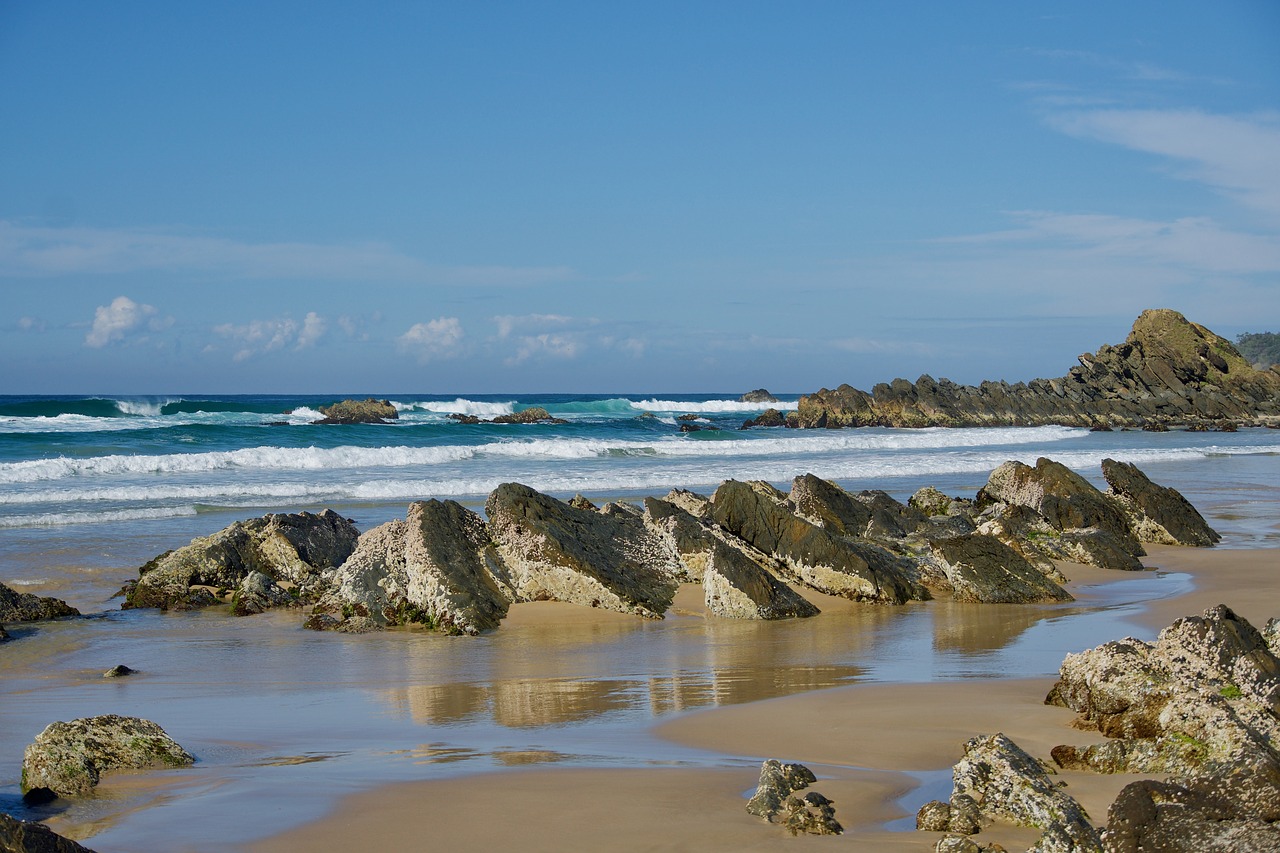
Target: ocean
column 284, row 721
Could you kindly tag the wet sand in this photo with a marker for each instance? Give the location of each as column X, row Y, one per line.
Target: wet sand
column 871, row 745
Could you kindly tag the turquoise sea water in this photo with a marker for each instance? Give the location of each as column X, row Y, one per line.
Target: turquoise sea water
column 284, row 720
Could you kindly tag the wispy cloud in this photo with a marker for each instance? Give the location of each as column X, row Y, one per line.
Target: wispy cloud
column 28, row 250
column 123, row 317
column 31, row 324
column 435, row 339
column 1238, row 155
column 258, row 337
column 508, row 323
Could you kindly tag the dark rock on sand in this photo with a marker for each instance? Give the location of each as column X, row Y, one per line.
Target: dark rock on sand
column 22, row 836
column 300, row 548
column 759, row 515
column 777, row 782
column 982, row 568
column 434, row 568
column 812, row 814
column 552, row 551
column 738, row 588
column 1151, row 815
column 1156, row 513
column 368, row 411
column 1168, row 371
column 24, row 607
column 119, row 671
column 70, row 758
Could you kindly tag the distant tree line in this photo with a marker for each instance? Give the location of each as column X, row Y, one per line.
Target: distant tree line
column 1261, row 348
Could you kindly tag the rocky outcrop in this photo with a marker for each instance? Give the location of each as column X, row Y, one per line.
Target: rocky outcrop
column 24, row 607
column 828, row 506
column 998, row 780
column 1168, row 372
column 736, row 587
column 760, row 395
column 552, row 551
column 812, row 555
column 368, row 411
column 531, row 415
column 435, row 568
column 777, row 782
column 22, row 836
column 1200, row 705
column 983, row 569
column 70, row 758
column 767, row 418
column 1155, row 513
column 301, row 549
column 690, row 539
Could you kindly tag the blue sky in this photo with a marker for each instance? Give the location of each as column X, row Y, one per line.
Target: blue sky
column 685, row 196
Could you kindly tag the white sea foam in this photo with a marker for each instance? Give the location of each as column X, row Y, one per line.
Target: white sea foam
column 59, row 519
column 460, row 406
column 709, row 406
column 145, row 408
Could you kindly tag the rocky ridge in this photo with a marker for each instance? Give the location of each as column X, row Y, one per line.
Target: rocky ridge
column 1168, row 372
column 750, row 545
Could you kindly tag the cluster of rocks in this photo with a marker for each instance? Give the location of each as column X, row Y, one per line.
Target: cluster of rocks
column 1199, row 707
column 531, row 415
column 368, row 411
column 774, row 800
column 748, row 544
column 1168, row 372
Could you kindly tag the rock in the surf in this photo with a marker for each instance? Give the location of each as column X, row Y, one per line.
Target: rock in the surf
column 1156, row 513
column 434, row 568
column 24, row 607
column 760, row 395
column 301, row 548
column 69, row 758
column 368, row 411
column 549, row 550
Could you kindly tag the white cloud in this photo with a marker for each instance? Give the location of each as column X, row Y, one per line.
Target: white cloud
column 508, row 323
column 313, row 328
column 435, row 339
column 27, row 250
column 1238, row 155
column 262, row 336
column 544, row 345
column 111, row 323
column 31, row 324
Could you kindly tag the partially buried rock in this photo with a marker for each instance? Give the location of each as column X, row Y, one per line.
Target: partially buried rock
column 777, row 782
column 301, row 548
column 550, row 551
column 25, row 607
column 119, row 671
column 70, row 758
column 738, row 588
column 982, row 568
column 1156, row 513
column 812, row 814
column 435, row 568
column 22, row 836
column 368, row 411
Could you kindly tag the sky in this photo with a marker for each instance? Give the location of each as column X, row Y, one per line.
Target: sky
column 490, row 197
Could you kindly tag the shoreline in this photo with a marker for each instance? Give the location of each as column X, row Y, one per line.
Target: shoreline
column 876, row 747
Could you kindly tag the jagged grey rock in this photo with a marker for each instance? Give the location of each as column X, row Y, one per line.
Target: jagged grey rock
column 70, row 758
column 259, row 593
column 690, row 539
column 552, row 551
column 738, row 588
column 777, row 782
column 984, row 569
column 812, row 555
column 1156, row 513
column 22, row 836
column 302, row 548
column 828, row 506
column 812, row 814
column 436, row 567
column 368, row 411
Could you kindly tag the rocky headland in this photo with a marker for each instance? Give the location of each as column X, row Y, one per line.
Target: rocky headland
column 1169, row 372
column 753, row 548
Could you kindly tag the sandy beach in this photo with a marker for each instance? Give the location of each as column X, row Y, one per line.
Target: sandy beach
column 871, row 746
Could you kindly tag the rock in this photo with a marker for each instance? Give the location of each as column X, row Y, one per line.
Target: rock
column 738, row 588
column 1165, row 816
column 1156, row 513
column 463, row 418
column 811, row 554
column 982, row 568
column 580, row 502
column 930, row 501
column 812, row 814
column 531, row 415
column 368, row 411
column 691, row 540
column 435, row 568
column 25, row 607
column 759, row 395
column 777, row 782
column 552, row 551
column 302, row 548
column 70, row 758
column 828, row 506
column 1090, row 546
column 119, row 671
column 956, row 844
column 699, row 506
column 1023, row 530
column 1008, row 784
column 933, row 816
column 1061, row 496
column 4, row 635
column 21, row 836
column 259, row 593
column 1168, row 371
column 767, row 418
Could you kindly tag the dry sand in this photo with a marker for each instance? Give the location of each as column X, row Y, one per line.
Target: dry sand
column 858, row 740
